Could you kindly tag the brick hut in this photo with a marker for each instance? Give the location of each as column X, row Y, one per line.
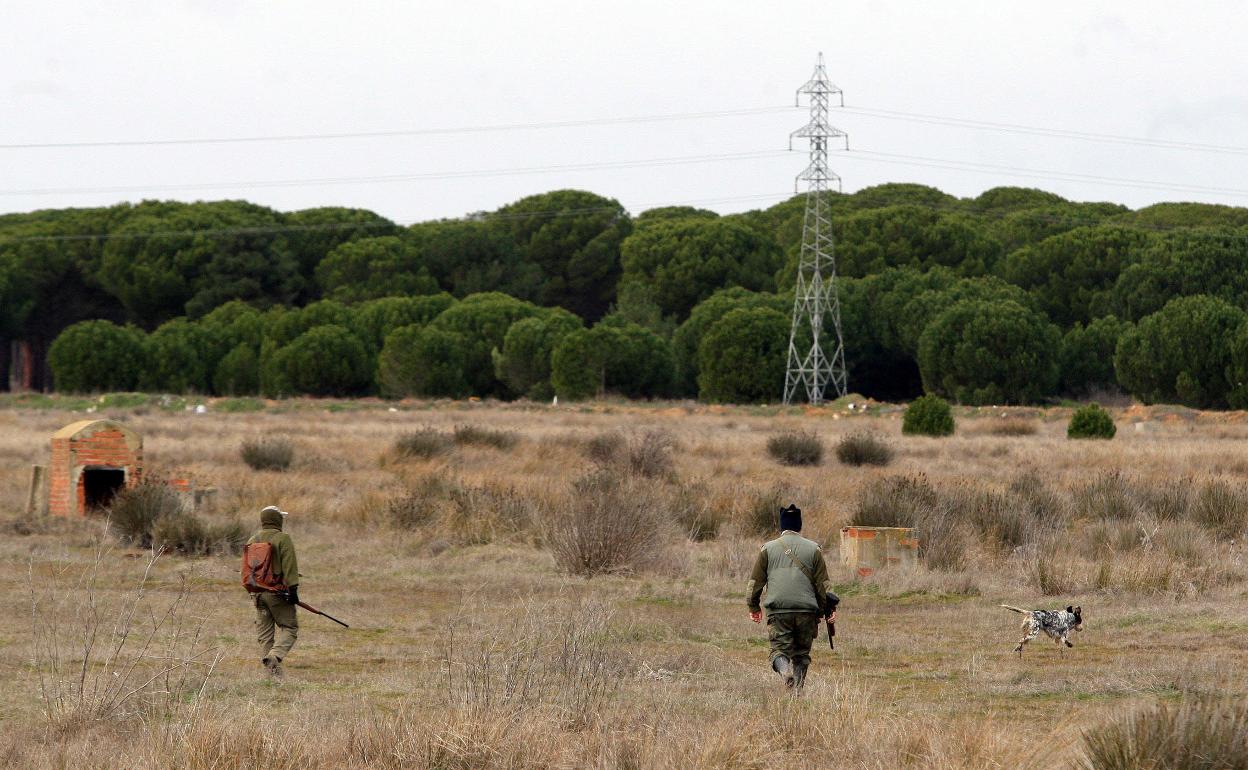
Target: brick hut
column 91, row 460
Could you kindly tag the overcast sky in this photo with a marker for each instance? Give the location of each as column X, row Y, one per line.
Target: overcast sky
column 126, row 71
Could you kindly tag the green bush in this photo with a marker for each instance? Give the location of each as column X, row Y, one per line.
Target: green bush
column 267, row 454
column 1184, row 353
column 617, row 356
column 523, row 364
column 323, row 361
column 1197, row 733
column 688, row 336
column 990, row 352
column 796, row 448
column 480, row 323
column 864, row 448
column 238, row 373
column 742, row 357
column 1091, row 421
column 928, row 415
column 95, row 356
column 1087, row 355
column 419, row 361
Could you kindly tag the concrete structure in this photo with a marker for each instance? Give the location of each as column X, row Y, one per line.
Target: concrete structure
column 868, row 549
column 91, row 461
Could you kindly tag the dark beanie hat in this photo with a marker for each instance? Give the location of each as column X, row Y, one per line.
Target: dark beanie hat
column 791, row 518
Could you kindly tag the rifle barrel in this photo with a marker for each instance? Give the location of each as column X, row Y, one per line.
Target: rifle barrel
column 310, row 608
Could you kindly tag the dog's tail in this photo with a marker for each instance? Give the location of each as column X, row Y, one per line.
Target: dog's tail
column 1015, row 609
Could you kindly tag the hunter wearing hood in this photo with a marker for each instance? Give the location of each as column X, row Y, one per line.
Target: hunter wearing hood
column 277, row 626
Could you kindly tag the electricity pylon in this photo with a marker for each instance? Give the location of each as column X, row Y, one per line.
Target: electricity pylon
column 816, row 296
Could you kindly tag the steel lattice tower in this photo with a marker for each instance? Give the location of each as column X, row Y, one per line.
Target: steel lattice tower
column 816, row 292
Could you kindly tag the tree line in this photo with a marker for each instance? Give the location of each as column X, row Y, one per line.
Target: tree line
column 1014, row 296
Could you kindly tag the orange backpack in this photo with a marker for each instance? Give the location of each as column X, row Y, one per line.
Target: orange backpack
column 258, row 574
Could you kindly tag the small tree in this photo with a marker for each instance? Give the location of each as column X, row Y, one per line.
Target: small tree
column 423, row 362
column 97, row 356
column 324, row 361
column 742, row 357
column 1091, row 421
column 238, row 374
column 928, row 415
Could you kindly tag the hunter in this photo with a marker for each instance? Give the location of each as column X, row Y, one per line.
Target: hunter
column 792, row 570
column 275, row 609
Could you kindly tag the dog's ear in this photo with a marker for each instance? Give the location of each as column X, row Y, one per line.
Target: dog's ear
column 1079, row 611
column 1070, row 609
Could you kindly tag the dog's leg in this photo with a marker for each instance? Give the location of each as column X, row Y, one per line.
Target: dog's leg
column 1032, row 629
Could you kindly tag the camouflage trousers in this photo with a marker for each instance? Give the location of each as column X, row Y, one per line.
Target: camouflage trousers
column 277, row 625
column 791, row 634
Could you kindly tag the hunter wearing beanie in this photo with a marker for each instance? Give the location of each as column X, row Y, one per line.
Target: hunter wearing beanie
column 792, row 571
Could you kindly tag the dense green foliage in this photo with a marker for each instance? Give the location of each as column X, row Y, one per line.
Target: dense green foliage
column 1091, row 421
column 984, row 352
column 94, row 356
column 1013, row 296
column 928, row 416
column 1182, row 353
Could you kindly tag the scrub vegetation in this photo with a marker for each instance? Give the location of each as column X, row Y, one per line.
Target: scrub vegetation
column 573, row 595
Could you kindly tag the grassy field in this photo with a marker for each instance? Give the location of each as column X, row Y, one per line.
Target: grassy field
column 472, row 644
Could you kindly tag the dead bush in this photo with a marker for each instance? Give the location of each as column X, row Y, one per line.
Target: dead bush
column 474, row 435
column 650, row 454
column 864, row 448
column 610, row 523
column 484, row 513
column 1222, row 509
column 420, row 505
column 272, row 453
column 423, row 443
column 605, row 448
column 134, row 511
column 690, row 507
column 1197, row 733
column 1110, row 495
column 796, row 448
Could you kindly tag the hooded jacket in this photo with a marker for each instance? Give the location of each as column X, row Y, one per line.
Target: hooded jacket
column 285, row 565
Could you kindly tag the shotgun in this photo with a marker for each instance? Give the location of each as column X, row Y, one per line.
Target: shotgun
column 831, row 634
column 312, row 609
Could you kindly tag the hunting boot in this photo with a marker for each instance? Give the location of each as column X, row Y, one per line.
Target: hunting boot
column 781, row 665
column 274, row 667
column 799, row 676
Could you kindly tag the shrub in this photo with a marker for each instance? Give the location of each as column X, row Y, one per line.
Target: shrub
column 762, row 517
column 690, row 507
column 1087, row 355
column 903, row 501
column 864, row 448
column 796, row 448
column 1091, row 421
column 225, row 537
column 419, row 506
column 523, row 362
column 181, row 358
column 478, row 436
column 1108, row 496
column 615, row 356
column 135, row 511
column 928, row 415
column 1196, row 733
column 612, row 523
column 605, row 448
column 1222, row 509
column 424, row 443
column 267, row 454
column 650, row 454
column 181, row 533
column 94, row 356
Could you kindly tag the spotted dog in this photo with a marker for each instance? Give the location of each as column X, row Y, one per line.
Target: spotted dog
column 1056, row 623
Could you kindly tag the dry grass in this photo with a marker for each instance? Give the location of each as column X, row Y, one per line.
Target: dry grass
column 473, row 645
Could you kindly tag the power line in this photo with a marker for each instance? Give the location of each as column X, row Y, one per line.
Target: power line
column 1018, row 128
column 1030, row 173
column 467, row 129
column 388, row 178
column 331, row 226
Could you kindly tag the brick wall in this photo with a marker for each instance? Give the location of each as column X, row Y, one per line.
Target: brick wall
column 81, row 446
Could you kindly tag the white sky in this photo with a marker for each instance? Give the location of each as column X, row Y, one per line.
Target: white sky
column 91, row 71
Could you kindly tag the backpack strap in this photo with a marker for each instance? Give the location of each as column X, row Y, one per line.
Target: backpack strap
column 800, row 565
